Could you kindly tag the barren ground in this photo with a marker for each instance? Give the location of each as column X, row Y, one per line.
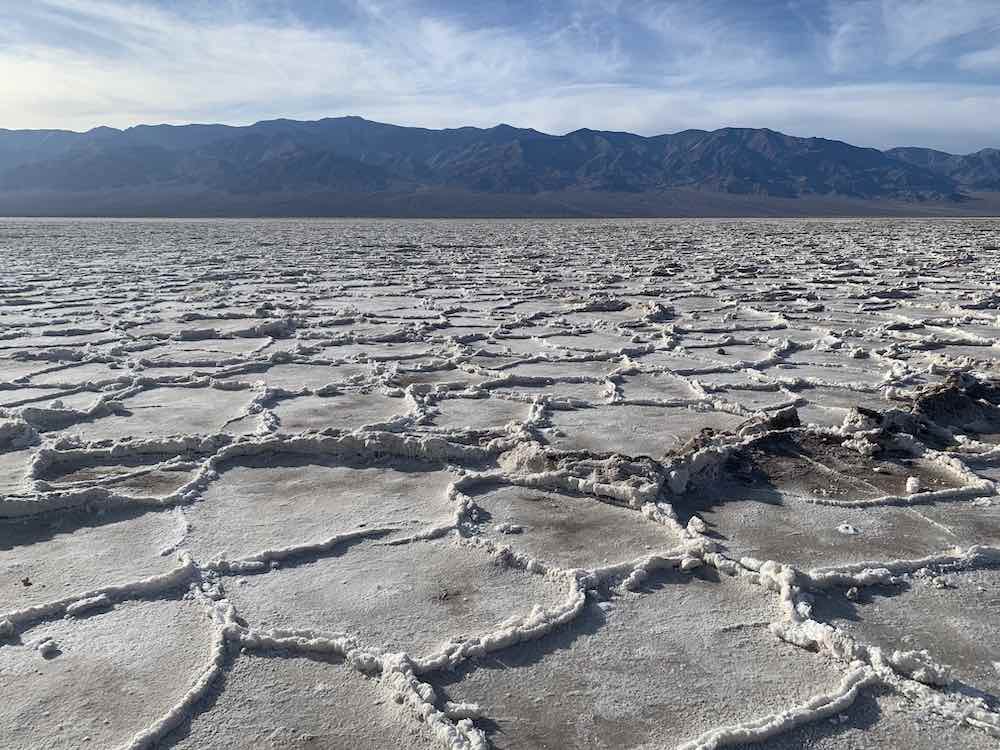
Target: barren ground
column 370, row 484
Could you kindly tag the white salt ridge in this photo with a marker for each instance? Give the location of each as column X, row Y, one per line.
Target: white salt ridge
column 820, row 707
column 181, row 711
column 914, row 673
column 151, row 586
column 614, row 326
column 83, row 605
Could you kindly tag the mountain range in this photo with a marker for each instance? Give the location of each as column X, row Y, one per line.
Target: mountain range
column 353, row 166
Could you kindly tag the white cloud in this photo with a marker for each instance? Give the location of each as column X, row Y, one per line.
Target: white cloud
column 162, row 66
column 917, row 28
column 983, row 61
column 855, row 40
column 881, row 116
column 865, row 34
column 81, row 63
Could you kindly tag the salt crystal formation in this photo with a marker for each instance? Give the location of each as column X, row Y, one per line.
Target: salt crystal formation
column 687, row 484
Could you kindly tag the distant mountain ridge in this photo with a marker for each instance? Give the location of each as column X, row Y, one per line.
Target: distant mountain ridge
column 976, row 171
column 351, row 156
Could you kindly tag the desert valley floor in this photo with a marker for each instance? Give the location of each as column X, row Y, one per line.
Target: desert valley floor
column 404, row 484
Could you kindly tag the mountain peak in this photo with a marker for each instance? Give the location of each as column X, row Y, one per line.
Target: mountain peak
column 351, row 153
column 104, row 130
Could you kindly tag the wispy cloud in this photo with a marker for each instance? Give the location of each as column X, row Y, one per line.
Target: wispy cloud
column 878, row 72
column 856, row 38
column 924, row 31
column 984, row 61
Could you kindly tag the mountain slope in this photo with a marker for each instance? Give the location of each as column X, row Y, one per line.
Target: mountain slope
column 976, row 171
column 350, row 155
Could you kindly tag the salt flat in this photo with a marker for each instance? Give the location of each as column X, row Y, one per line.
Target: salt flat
column 555, row 484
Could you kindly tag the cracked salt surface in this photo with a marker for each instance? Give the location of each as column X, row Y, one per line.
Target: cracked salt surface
column 287, row 700
column 688, row 484
column 115, row 673
column 571, row 531
column 954, row 615
column 346, row 410
column 425, row 594
column 644, row 671
column 278, row 501
column 74, row 552
column 879, row 719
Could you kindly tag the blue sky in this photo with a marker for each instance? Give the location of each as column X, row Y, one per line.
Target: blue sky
column 872, row 72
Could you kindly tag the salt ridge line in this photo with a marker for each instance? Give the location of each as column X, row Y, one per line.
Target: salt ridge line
column 773, row 724
column 178, row 713
column 604, row 306
column 537, row 625
column 14, row 621
column 910, row 672
column 820, row 707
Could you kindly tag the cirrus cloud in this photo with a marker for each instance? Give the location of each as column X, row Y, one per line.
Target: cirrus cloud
column 873, row 72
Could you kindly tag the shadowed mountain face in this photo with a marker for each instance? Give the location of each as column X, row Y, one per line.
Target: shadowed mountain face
column 352, row 156
column 978, row 171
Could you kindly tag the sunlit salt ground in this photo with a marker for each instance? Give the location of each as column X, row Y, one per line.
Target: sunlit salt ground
column 553, row 485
